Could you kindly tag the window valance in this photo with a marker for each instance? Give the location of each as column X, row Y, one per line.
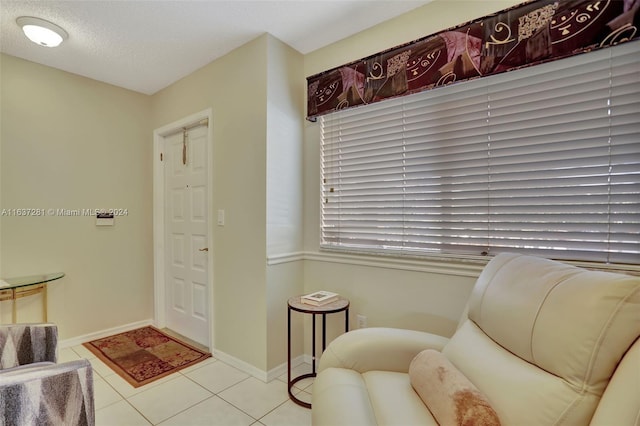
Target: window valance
column 527, row 34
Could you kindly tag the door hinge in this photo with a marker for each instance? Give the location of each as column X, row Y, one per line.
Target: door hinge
column 161, row 157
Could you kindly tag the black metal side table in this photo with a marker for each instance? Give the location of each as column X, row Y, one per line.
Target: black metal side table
column 294, row 304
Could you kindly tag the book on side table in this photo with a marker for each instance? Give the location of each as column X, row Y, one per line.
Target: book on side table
column 319, row 298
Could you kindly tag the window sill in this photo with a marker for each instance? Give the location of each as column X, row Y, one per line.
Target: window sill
column 468, row 266
column 439, row 265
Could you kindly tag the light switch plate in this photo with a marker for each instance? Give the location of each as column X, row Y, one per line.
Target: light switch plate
column 221, row 217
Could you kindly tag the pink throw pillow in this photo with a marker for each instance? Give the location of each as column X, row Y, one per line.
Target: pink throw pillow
column 449, row 395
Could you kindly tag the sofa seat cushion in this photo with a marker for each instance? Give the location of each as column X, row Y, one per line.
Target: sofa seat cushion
column 394, row 400
column 346, row 397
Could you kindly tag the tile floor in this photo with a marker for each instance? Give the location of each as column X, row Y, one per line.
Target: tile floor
column 209, row 393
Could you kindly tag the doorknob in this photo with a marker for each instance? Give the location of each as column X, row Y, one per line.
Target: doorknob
column 204, row 249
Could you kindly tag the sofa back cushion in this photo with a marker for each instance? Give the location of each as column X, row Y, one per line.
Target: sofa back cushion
column 547, row 334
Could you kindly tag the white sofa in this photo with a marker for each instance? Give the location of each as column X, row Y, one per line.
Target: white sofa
column 544, row 342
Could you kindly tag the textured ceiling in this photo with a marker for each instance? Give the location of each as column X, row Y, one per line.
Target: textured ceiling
column 147, row 45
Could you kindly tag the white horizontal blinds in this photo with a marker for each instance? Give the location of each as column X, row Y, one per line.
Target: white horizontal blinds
column 393, row 173
column 445, row 186
column 624, row 243
column 543, row 159
column 363, row 176
column 564, row 158
column 549, row 159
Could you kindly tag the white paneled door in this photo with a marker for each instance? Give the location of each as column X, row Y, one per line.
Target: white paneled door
column 186, row 238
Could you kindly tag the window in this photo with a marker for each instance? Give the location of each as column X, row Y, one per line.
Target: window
column 543, row 160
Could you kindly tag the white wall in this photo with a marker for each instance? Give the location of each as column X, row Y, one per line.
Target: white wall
column 285, row 115
column 285, row 106
column 69, row 142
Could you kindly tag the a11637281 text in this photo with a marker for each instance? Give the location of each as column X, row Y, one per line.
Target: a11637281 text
column 62, row 212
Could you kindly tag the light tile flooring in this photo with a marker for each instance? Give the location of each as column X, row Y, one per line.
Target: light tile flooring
column 209, row 393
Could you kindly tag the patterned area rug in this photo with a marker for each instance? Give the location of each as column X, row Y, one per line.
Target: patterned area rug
column 146, row 354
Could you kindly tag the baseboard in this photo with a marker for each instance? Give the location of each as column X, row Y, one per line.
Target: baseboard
column 78, row 340
column 307, row 360
column 240, row 365
column 265, row 376
column 278, row 371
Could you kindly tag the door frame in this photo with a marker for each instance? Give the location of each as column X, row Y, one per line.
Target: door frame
column 159, row 289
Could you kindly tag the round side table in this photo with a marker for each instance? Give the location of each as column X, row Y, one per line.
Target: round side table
column 294, row 304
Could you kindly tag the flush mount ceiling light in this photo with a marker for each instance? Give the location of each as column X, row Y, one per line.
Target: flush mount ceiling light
column 42, row 32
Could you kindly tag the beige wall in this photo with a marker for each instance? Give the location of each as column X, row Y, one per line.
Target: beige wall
column 256, row 96
column 285, row 117
column 92, row 146
column 418, row 23
column 69, row 142
column 237, row 95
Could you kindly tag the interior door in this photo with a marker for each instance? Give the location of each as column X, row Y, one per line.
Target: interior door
column 186, row 234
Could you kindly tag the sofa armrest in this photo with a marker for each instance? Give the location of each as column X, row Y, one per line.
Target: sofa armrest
column 66, row 390
column 383, row 349
column 22, row 344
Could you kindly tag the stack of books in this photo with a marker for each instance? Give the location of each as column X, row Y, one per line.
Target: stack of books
column 319, row 298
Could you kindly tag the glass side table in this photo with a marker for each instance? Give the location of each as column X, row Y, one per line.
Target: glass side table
column 294, row 304
column 18, row 287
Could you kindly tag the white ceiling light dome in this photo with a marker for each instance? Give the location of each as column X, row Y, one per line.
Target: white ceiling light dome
column 42, row 32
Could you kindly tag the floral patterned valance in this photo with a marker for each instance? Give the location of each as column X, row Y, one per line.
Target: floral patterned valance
column 527, row 34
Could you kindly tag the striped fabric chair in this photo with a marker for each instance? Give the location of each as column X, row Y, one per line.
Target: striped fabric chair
column 34, row 389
